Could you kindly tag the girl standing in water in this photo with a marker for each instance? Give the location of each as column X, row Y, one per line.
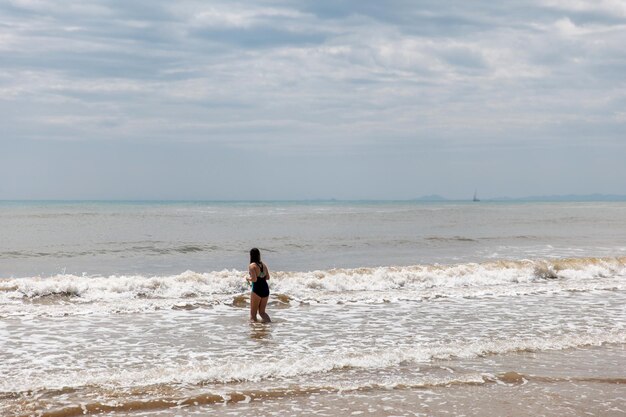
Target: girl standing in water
column 259, row 275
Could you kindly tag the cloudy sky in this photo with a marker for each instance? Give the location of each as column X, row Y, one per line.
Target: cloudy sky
column 352, row 99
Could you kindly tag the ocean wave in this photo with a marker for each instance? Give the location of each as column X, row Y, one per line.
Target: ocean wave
column 217, row 372
column 449, row 239
column 382, row 284
column 148, row 248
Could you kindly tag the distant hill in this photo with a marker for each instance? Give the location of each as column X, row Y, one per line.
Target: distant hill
column 534, row 198
column 565, row 198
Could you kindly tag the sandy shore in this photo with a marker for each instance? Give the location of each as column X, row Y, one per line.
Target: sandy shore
column 573, row 382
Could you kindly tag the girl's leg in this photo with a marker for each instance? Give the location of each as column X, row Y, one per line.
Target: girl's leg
column 255, row 301
column 264, row 316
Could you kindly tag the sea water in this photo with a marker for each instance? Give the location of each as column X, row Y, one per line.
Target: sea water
column 379, row 308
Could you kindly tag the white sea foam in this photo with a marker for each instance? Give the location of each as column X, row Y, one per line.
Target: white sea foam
column 210, row 371
column 96, row 288
column 375, row 285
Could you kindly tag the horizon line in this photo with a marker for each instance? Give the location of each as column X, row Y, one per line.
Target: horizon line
column 433, row 198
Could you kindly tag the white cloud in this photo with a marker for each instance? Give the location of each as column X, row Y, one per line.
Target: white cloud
column 369, row 75
column 230, row 15
column 566, row 27
column 8, row 41
column 610, row 7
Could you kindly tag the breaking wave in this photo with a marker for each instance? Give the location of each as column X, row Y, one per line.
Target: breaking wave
column 382, row 284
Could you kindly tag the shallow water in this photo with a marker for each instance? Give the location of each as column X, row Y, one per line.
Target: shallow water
column 72, row 353
column 500, row 334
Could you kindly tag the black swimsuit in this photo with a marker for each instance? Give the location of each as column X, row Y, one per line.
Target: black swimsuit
column 260, row 287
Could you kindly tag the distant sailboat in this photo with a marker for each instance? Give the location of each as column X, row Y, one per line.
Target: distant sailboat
column 475, row 196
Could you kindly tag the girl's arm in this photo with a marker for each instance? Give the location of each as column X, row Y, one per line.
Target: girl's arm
column 267, row 272
column 252, row 271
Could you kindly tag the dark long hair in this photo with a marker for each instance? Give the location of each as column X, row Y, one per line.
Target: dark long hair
column 255, row 256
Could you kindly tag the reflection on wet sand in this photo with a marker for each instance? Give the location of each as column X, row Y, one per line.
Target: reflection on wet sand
column 260, row 331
